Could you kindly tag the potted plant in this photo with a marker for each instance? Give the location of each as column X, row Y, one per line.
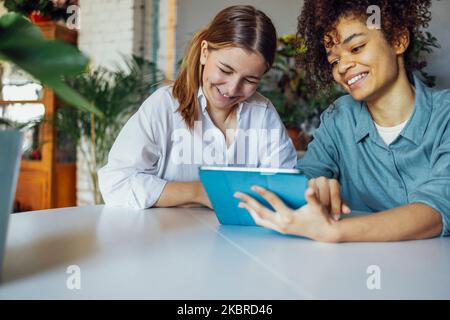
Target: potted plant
column 286, row 87
column 40, row 10
column 424, row 44
column 48, row 61
column 118, row 94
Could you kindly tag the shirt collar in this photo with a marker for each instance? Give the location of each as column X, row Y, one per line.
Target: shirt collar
column 202, row 99
column 423, row 105
column 417, row 124
column 364, row 123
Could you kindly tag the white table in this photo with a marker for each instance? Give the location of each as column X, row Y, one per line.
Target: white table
column 186, row 254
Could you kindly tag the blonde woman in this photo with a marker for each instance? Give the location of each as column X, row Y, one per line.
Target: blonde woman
column 211, row 115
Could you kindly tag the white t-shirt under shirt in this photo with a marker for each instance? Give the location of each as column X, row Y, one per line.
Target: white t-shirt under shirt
column 389, row 134
column 155, row 146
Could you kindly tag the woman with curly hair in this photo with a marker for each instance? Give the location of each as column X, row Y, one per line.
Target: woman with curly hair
column 385, row 147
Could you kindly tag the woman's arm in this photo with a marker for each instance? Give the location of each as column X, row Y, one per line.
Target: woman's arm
column 132, row 177
column 408, row 222
column 177, row 194
column 414, row 221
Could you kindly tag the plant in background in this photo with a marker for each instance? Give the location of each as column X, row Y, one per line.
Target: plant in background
column 294, row 101
column 118, row 94
column 38, row 10
column 286, row 87
column 422, row 45
column 48, row 61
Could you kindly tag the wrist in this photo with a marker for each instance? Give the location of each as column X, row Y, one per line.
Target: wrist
column 338, row 228
column 334, row 233
column 198, row 192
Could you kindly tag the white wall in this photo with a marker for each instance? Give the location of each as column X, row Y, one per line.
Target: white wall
column 194, row 14
column 106, row 30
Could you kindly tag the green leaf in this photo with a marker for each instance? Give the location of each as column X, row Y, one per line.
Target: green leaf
column 49, row 61
column 73, row 98
column 12, row 25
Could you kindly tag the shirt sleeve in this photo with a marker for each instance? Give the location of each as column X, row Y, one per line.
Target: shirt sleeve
column 279, row 152
column 321, row 158
column 130, row 176
column 435, row 191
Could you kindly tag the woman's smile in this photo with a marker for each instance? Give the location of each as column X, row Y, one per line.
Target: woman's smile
column 224, row 97
column 356, row 81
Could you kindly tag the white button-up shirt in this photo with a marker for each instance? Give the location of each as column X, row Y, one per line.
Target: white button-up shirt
column 155, row 146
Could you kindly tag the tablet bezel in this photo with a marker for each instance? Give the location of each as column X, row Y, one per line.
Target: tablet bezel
column 247, row 169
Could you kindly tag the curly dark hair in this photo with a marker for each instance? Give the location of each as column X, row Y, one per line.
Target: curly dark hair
column 319, row 17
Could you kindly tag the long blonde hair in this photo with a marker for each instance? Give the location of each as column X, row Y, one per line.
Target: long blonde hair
column 236, row 26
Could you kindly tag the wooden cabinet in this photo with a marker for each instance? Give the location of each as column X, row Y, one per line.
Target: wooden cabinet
column 49, row 181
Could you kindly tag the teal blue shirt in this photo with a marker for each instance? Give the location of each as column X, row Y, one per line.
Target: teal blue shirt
column 414, row 168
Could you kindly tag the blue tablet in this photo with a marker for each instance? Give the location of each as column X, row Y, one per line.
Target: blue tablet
column 222, row 182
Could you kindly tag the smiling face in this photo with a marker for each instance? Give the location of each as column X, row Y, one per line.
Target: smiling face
column 230, row 75
column 363, row 62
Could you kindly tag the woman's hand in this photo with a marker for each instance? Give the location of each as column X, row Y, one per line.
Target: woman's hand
column 313, row 220
column 328, row 192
